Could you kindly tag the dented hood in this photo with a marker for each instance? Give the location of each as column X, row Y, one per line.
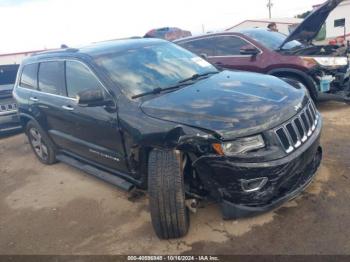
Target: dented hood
column 231, row 104
column 312, row 24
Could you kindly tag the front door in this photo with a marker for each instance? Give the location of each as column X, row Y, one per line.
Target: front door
column 96, row 131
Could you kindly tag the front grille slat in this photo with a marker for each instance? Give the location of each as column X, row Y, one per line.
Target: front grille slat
column 297, row 131
column 306, row 124
column 8, row 108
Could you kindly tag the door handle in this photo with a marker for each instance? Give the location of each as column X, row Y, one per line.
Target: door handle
column 218, row 63
column 68, row 108
column 34, row 99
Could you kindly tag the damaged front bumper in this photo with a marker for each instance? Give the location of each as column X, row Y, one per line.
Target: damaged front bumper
column 275, row 181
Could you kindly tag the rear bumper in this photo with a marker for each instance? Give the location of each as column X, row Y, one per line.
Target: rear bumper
column 285, row 179
column 9, row 122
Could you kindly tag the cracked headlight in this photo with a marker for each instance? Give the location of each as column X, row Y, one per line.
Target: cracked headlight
column 240, row 146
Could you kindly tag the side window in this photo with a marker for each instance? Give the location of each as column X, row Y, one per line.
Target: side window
column 51, row 78
column 228, row 45
column 29, row 76
column 79, row 78
column 200, row 46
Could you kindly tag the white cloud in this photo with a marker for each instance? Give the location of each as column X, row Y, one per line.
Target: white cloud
column 38, row 24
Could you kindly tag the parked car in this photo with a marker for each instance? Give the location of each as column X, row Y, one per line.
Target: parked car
column 9, row 120
column 321, row 68
column 167, row 33
column 148, row 114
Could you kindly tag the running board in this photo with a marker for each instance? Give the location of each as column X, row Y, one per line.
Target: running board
column 105, row 176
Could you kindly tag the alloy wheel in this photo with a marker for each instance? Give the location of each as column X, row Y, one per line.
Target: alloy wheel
column 38, row 144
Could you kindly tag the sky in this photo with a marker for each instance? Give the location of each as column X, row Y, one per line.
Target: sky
column 39, row 24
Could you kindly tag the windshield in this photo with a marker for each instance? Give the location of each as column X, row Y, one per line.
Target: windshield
column 270, row 39
column 143, row 69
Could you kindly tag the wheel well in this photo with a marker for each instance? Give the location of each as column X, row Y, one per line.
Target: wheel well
column 189, row 172
column 289, row 74
column 24, row 121
column 296, row 76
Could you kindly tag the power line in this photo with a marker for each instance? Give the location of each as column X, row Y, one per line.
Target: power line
column 269, row 6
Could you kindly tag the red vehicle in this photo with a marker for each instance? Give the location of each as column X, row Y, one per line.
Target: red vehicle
column 323, row 69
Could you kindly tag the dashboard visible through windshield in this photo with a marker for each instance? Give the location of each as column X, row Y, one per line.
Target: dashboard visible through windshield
column 143, row 69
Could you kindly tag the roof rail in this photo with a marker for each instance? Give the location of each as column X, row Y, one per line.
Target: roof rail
column 57, row 51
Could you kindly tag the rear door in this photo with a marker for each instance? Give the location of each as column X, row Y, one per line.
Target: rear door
column 27, row 82
column 47, row 101
column 225, row 51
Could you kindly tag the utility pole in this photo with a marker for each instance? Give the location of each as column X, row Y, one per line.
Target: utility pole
column 269, row 6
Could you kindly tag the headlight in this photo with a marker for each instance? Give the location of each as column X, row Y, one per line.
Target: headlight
column 328, row 61
column 240, row 146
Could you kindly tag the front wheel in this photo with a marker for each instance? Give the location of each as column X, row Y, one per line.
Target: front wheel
column 40, row 143
column 170, row 217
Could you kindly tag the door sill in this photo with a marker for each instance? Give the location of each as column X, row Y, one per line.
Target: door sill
column 98, row 173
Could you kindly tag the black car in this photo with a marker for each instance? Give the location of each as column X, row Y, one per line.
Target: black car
column 9, row 120
column 147, row 114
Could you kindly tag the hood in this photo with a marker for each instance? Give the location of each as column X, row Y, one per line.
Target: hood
column 312, row 24
column 232, row 104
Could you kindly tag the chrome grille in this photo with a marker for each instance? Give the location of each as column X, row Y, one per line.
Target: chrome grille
column 297, row 131
column 7, row 108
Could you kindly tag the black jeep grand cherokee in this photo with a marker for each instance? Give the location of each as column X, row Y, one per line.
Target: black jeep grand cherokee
column 148, row 114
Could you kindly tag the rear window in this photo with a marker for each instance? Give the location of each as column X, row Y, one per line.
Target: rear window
column 29, row 76
column 51, row 78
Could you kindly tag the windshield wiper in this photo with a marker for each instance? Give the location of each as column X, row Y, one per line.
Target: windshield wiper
column 196, row 76
column 178, row 85
column 159, row 90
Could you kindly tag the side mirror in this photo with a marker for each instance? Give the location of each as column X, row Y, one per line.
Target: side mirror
column 204, row 56
column 92, row 98
column 249, row 50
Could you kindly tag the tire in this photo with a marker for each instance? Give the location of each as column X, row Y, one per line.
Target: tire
column 170, row 217
column 313, row 93
column 40, row 143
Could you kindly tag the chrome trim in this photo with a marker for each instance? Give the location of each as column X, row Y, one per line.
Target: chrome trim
column 68, row 108
column 43, row 93
column 311, row 116
column 10, row 128
column 7, row 109
column 4, row 113
column 59, row 60
column 263, row 182
column 34, row 99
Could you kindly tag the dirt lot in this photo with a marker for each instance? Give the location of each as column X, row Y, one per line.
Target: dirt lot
column 60, row 210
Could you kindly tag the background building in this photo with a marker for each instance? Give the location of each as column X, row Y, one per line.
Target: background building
column 284, row 25
column 340, row 13
column 15, row 58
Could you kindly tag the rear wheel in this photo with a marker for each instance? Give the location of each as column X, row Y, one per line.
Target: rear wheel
column 40, row 143
column 170, row 217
